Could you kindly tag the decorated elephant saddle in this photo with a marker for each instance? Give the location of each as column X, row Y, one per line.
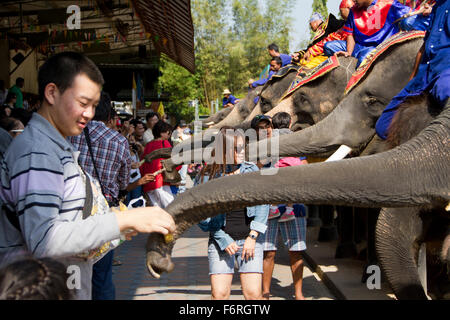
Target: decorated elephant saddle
column 305, row 75
column 365, row 65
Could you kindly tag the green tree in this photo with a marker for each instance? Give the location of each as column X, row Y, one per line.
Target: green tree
column 320, row 6
column 182, row 87
column 231, row 39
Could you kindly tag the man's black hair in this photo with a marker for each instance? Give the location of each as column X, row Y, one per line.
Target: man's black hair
column 273, row 47
column 277, row 60
column 281, row 120
column 21, row 114
column 161, row 127
column 103, row 112
column 19, row 80
column 62, row 68
column 150, row 115
column 10, row 96
column 258, row 118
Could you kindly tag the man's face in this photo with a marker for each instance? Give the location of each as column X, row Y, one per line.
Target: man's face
column 264, row 128
column 226, row 96
column 21, row 84
column 273, row 53
column 363, row 3
column 152, row 121
column 165, row 135
column 140, row 129
column 315, row 24
column 344, row 13
column 72, row 110
column 274, row 66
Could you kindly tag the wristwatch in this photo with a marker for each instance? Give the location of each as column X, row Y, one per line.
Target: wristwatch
column 252, row 236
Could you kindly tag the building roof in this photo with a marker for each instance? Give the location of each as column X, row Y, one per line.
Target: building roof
column 109, row 28
column 170, row 21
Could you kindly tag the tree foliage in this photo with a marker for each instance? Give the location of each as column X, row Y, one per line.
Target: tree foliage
column 231, row 39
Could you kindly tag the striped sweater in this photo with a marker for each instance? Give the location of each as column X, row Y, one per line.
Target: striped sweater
column 41, row 182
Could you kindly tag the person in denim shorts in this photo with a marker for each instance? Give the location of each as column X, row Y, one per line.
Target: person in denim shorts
column 235, row 237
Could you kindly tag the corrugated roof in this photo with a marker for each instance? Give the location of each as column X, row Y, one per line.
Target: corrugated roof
column 171, row 29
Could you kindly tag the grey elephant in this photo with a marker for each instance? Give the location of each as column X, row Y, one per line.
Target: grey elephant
column 410, row 179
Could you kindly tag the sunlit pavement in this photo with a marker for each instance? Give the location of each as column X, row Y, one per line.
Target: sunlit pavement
column 190, row 279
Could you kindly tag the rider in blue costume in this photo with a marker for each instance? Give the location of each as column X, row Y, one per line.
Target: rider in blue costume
column 368, row 25
column 433, row 72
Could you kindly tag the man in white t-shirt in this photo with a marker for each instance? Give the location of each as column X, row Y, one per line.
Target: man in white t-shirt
column 151, row 118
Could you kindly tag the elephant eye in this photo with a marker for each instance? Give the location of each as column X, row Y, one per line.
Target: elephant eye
column 370, row 100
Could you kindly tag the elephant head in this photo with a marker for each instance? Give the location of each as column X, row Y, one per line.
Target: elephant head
column 241, row 110
column 413, row 174
column 311, row 102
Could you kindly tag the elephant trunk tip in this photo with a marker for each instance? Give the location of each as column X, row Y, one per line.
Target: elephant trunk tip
column 157, row 264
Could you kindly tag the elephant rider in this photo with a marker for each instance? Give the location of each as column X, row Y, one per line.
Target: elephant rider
column 228, row 99
column 369, row 23
column 432, row 69
column 421, row 20
column 275, row 52
column 323, row 31
column 275, row 65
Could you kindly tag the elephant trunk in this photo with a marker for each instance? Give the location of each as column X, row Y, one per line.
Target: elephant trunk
column 397, row 249
column 415, row 173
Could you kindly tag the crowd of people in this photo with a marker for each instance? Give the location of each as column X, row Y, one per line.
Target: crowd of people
column 72, row 166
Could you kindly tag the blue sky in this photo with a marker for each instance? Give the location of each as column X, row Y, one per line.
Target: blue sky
column 300, row 21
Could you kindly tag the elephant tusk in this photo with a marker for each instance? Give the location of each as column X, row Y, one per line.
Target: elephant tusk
column 340, row 153
column 447, row 208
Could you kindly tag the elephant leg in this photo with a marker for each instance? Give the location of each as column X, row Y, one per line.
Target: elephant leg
column 396, row 234
column 346, row 247
column 328, row 230
column 371, row 256
column 313, row 216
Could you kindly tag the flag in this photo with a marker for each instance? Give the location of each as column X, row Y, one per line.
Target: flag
column 265, row 73
column 161, row 109
column 133, row 94
column 139, row 92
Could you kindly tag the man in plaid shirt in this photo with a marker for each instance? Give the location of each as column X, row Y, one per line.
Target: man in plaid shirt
column 112, row 158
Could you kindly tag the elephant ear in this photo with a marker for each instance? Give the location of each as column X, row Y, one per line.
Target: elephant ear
column 406, row 124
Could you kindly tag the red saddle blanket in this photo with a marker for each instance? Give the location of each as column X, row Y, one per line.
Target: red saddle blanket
column 305, row 75
column 364, row 67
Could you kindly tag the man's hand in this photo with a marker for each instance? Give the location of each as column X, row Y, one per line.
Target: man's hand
column 135, row 165
column 232, row 249
column 426, row 9
column 146, row 220
column 307, row 56
column 342, row 53
column 149, row 177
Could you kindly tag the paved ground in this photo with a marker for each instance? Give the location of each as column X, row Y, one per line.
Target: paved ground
column 190, row 279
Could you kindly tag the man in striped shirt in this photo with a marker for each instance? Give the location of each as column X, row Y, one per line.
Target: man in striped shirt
column 43, row 190
column 111, row 154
